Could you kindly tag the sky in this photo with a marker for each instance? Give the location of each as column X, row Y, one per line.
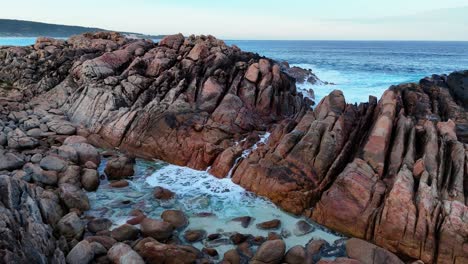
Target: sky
column 258, row 19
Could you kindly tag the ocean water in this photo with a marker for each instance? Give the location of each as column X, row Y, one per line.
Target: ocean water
column 358, row 68
column 363, row 68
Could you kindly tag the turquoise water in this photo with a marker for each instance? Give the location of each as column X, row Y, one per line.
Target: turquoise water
column 358, row 68
column 210, row 204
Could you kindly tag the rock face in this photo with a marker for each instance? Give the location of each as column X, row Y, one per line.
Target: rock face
column 22, row 209
column 391, row 171
column 183, row 101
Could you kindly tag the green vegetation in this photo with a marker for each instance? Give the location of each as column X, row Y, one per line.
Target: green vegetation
column 19, row 28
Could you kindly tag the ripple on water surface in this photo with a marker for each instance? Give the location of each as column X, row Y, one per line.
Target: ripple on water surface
column 210, row 203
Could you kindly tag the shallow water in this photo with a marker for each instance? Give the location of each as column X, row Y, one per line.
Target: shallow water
column 210, row 203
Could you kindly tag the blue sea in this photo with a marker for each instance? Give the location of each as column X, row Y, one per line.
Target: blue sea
column 358, row 68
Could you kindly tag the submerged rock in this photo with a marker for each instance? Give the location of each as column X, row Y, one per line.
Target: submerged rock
column 162, row 193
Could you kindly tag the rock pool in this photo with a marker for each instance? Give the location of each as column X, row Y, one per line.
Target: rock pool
column 210, row 204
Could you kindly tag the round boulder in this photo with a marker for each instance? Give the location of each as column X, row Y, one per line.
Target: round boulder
column 120, row 168
column 158, row 230
column 176, row 218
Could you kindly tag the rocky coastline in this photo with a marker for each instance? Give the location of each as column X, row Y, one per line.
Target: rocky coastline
column 392, row 171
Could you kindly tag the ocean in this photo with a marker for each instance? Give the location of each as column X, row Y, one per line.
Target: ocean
column 358, row 68
column 363, row 68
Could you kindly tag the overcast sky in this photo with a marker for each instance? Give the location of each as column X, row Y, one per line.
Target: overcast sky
column 258, row 19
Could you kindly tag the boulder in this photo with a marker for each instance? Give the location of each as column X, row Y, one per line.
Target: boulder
column 156, row 229
column 53, row 163
column 71, row 226
column 162, row 193
column 176, row 218
column 272, row 224
column 119, row 168
column 10, row 161
column 81, row 253
column 39, row 175
column 90, row 179
column 155, row 252
column 271, row 252
column 121, row 253
column 295, row 255
column 193, row 236
column 17, row 139
column 125, row 232
column 86, row 153
column 73, row 197
column 99, row 224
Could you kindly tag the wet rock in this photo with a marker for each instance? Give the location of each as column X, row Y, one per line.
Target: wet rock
column 158, row 230
column 119, row 168
column 232, row 256
column 73, row 197
column 125, row 232
column 119, row 184
column 303, row 228
column 122, row 253
column 238, row 238
column 272, row 224
column 218, row 242
column 71, row 226
column 99, row 224
column 53, row 163
column 136, row 220
column 313, row 248
column 273, row 236
column 10, row 161
column 90, row 179
column 271, row 252
column 176, row 218
column 295, row 255
column 192, row 236
column 210, row 252
column 162, row 193
column 244, row 220
column 155, row 252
